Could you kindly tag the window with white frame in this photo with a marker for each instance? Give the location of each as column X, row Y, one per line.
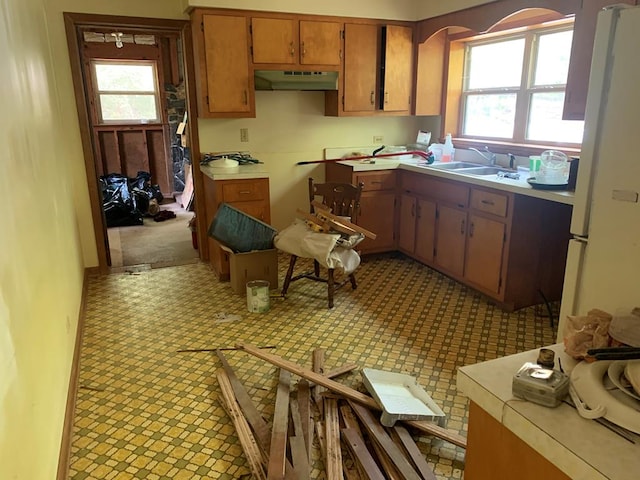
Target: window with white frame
column 126, row 91
column 514, row 87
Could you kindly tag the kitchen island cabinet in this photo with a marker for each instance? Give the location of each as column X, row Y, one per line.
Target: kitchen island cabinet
column 224, row 81
column 512, row 438
column 249, row 195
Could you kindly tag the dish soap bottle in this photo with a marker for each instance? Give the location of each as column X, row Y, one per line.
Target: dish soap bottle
column 448, row 150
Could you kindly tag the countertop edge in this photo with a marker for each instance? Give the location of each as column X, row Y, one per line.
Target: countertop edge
column 244, row 172
column 518, row 187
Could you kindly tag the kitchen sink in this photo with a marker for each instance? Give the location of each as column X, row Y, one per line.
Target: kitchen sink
column 454, row 165
column 482, row 170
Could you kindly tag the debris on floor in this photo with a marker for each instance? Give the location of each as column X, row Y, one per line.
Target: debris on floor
column 353, row 442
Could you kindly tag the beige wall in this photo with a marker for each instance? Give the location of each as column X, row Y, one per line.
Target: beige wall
column 47, row 237
column 432, row 8
column 41, row 261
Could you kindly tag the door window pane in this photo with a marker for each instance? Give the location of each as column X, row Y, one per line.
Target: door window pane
column 488, row 68
column 545, row 120
column 552, row 62
column 126, row 91
column 490, row 115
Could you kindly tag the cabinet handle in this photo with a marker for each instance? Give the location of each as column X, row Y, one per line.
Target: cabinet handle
column 292, row 49
column 244, row 192
column 462, row 227
column 376, row 182
column 471, row 227
column 419, row 211
column 487, row 202
column 386, row 97
column 373, row 97
column 413, row 210
column 303, row 51
column 246, row 97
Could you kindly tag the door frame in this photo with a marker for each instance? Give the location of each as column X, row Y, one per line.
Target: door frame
column 73, row 22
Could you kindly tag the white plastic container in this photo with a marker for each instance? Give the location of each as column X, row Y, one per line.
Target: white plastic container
column 447, row 149
column 554, row 168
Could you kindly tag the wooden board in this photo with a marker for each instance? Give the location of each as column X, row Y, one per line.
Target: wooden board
column 415, row 453
column 359, row 450
column 333, row 462
column 278, row 450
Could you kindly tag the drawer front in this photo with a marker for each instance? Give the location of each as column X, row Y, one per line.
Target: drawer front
column 377, row 181
column 441, row 190
column 244, row 191
column 489, row 202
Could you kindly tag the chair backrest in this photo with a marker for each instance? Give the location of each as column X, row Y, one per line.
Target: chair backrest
column 342, row 198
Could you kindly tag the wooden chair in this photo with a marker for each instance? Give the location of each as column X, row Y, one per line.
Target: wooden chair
column 344, row 200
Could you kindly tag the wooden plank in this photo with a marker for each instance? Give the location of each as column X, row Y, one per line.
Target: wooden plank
column 380, row 436
column 349, row 419
column 414, row 453
column 278, row 450
column 359, row 450
column 350, row 393
column 304, row 397
column 388, row 466
column 247, row 441
column 317, row 363
column 260, row 428
column 258, row 424
column 299, row 456
column 333, row 463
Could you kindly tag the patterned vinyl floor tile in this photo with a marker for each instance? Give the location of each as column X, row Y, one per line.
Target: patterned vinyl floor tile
column 144, row 410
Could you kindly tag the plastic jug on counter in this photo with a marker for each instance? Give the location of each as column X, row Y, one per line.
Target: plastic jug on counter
column 447, row 150
column 554, row 168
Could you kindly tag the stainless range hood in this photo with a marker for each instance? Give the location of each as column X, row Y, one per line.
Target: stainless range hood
column 292, row 80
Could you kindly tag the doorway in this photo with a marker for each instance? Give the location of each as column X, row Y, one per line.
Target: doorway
column 133, row 81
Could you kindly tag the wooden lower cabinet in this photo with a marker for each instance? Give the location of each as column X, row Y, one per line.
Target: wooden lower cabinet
column 495, row 452
column 250, row 196
column 485, row 252
column 451, row 225
column 416, row 227
column 377, row 211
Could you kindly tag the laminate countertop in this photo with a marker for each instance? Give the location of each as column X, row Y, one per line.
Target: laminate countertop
column 581, row 448
column 258, row 170
column 492, row 181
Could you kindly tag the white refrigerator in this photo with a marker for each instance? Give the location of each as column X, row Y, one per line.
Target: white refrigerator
column 603, row 261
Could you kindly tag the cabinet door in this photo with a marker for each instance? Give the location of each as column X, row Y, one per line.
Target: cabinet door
column 425, row 230
column 451, row 228
column 398, row 68
column 274, row 40
column 320, row 43
column 360, row 67
column 227, row 64
column 407, row 224
column 377, row 213
column 485, row 248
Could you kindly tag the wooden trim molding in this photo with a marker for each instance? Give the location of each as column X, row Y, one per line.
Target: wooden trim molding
column 67, row 430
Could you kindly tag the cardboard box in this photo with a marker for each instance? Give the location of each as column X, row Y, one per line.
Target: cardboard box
column 255, row 265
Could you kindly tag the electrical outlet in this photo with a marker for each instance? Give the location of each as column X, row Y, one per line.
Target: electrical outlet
column 244, row 134
column 378, row 139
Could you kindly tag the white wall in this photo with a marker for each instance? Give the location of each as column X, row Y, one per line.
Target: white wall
column 290, row 127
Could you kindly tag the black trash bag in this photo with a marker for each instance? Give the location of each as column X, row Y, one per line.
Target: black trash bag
column 143, row 182
column 117, row 202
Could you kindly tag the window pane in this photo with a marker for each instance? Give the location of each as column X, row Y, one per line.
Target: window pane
column 552, row 64
column 128, row 107
column 490, row 115
column 488, row 68
column 545, row 120
column 127, row 78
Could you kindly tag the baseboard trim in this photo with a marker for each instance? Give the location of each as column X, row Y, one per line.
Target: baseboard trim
column 64, row 458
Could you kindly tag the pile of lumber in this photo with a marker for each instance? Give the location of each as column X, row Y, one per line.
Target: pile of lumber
column 323, row 221
column 354, row 444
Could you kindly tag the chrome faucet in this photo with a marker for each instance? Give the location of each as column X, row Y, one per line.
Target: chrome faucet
column 489, row 156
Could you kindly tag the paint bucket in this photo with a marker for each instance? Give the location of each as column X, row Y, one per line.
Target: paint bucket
column 258, row 296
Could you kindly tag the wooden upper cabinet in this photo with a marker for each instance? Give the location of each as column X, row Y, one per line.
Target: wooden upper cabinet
column 288, row 41
column 584, row 30
column 320, row 43
column 226, row 88
column 398, row 68
column 275, row 40
column 360, row 67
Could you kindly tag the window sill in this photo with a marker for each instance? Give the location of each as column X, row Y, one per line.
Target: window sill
column 519, row 149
